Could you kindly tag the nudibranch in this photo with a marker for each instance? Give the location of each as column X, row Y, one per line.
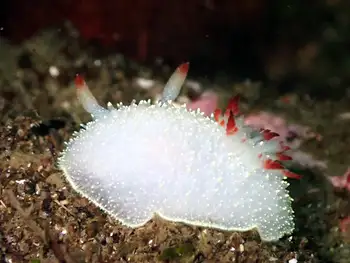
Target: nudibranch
column 137, row 160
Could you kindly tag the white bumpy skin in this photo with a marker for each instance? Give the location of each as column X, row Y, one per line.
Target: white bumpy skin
column 141, row 159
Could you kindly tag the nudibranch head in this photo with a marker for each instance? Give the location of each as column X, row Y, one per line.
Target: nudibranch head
column 136, row 160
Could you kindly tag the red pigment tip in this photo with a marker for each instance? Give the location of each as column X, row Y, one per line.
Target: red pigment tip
column 217, row 114
column 183, row 68
column 233, row 105
column 284, row 148
column 268, row 135
column 283, row 157
column 79, row 81
column 274, row 165
column 231, row 127
column 291, row 175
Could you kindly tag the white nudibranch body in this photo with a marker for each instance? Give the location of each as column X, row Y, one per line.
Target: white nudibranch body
column 137, row 160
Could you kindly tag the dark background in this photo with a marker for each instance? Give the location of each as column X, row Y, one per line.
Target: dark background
column 286, row 43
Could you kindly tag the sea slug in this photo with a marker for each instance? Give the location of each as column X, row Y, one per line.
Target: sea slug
column 137, row 160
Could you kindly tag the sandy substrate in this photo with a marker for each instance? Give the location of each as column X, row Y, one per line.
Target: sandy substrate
column 44, row 220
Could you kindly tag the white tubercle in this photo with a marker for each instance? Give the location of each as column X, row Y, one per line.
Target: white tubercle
column 137, row 160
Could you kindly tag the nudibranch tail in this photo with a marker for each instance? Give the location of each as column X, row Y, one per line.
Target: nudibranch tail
column 173, row 86
column 87, row 100
column 271, row 152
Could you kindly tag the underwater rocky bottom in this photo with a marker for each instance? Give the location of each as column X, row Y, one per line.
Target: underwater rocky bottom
column 44, row 220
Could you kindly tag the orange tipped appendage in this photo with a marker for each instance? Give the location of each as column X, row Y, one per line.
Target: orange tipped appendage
column 217, row 115
column 218, row 118
column 268, row 135
column 231, row 111
column 173, row 86
column 79, row 82
column 275, row 165
column 231, row 127
column 284, row 148
column 183, row 68
column 86, row 98
column 272, row 165
column 289, row 174
column 233, row 106
column 283, row 157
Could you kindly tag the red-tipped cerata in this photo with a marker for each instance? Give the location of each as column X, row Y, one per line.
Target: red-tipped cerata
column 231, row 127
column 79, row 81
column 283, row 157
column 268, row 135
column 233, row 105
column 183, row 68
column 272, row 165
column 289, row 174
